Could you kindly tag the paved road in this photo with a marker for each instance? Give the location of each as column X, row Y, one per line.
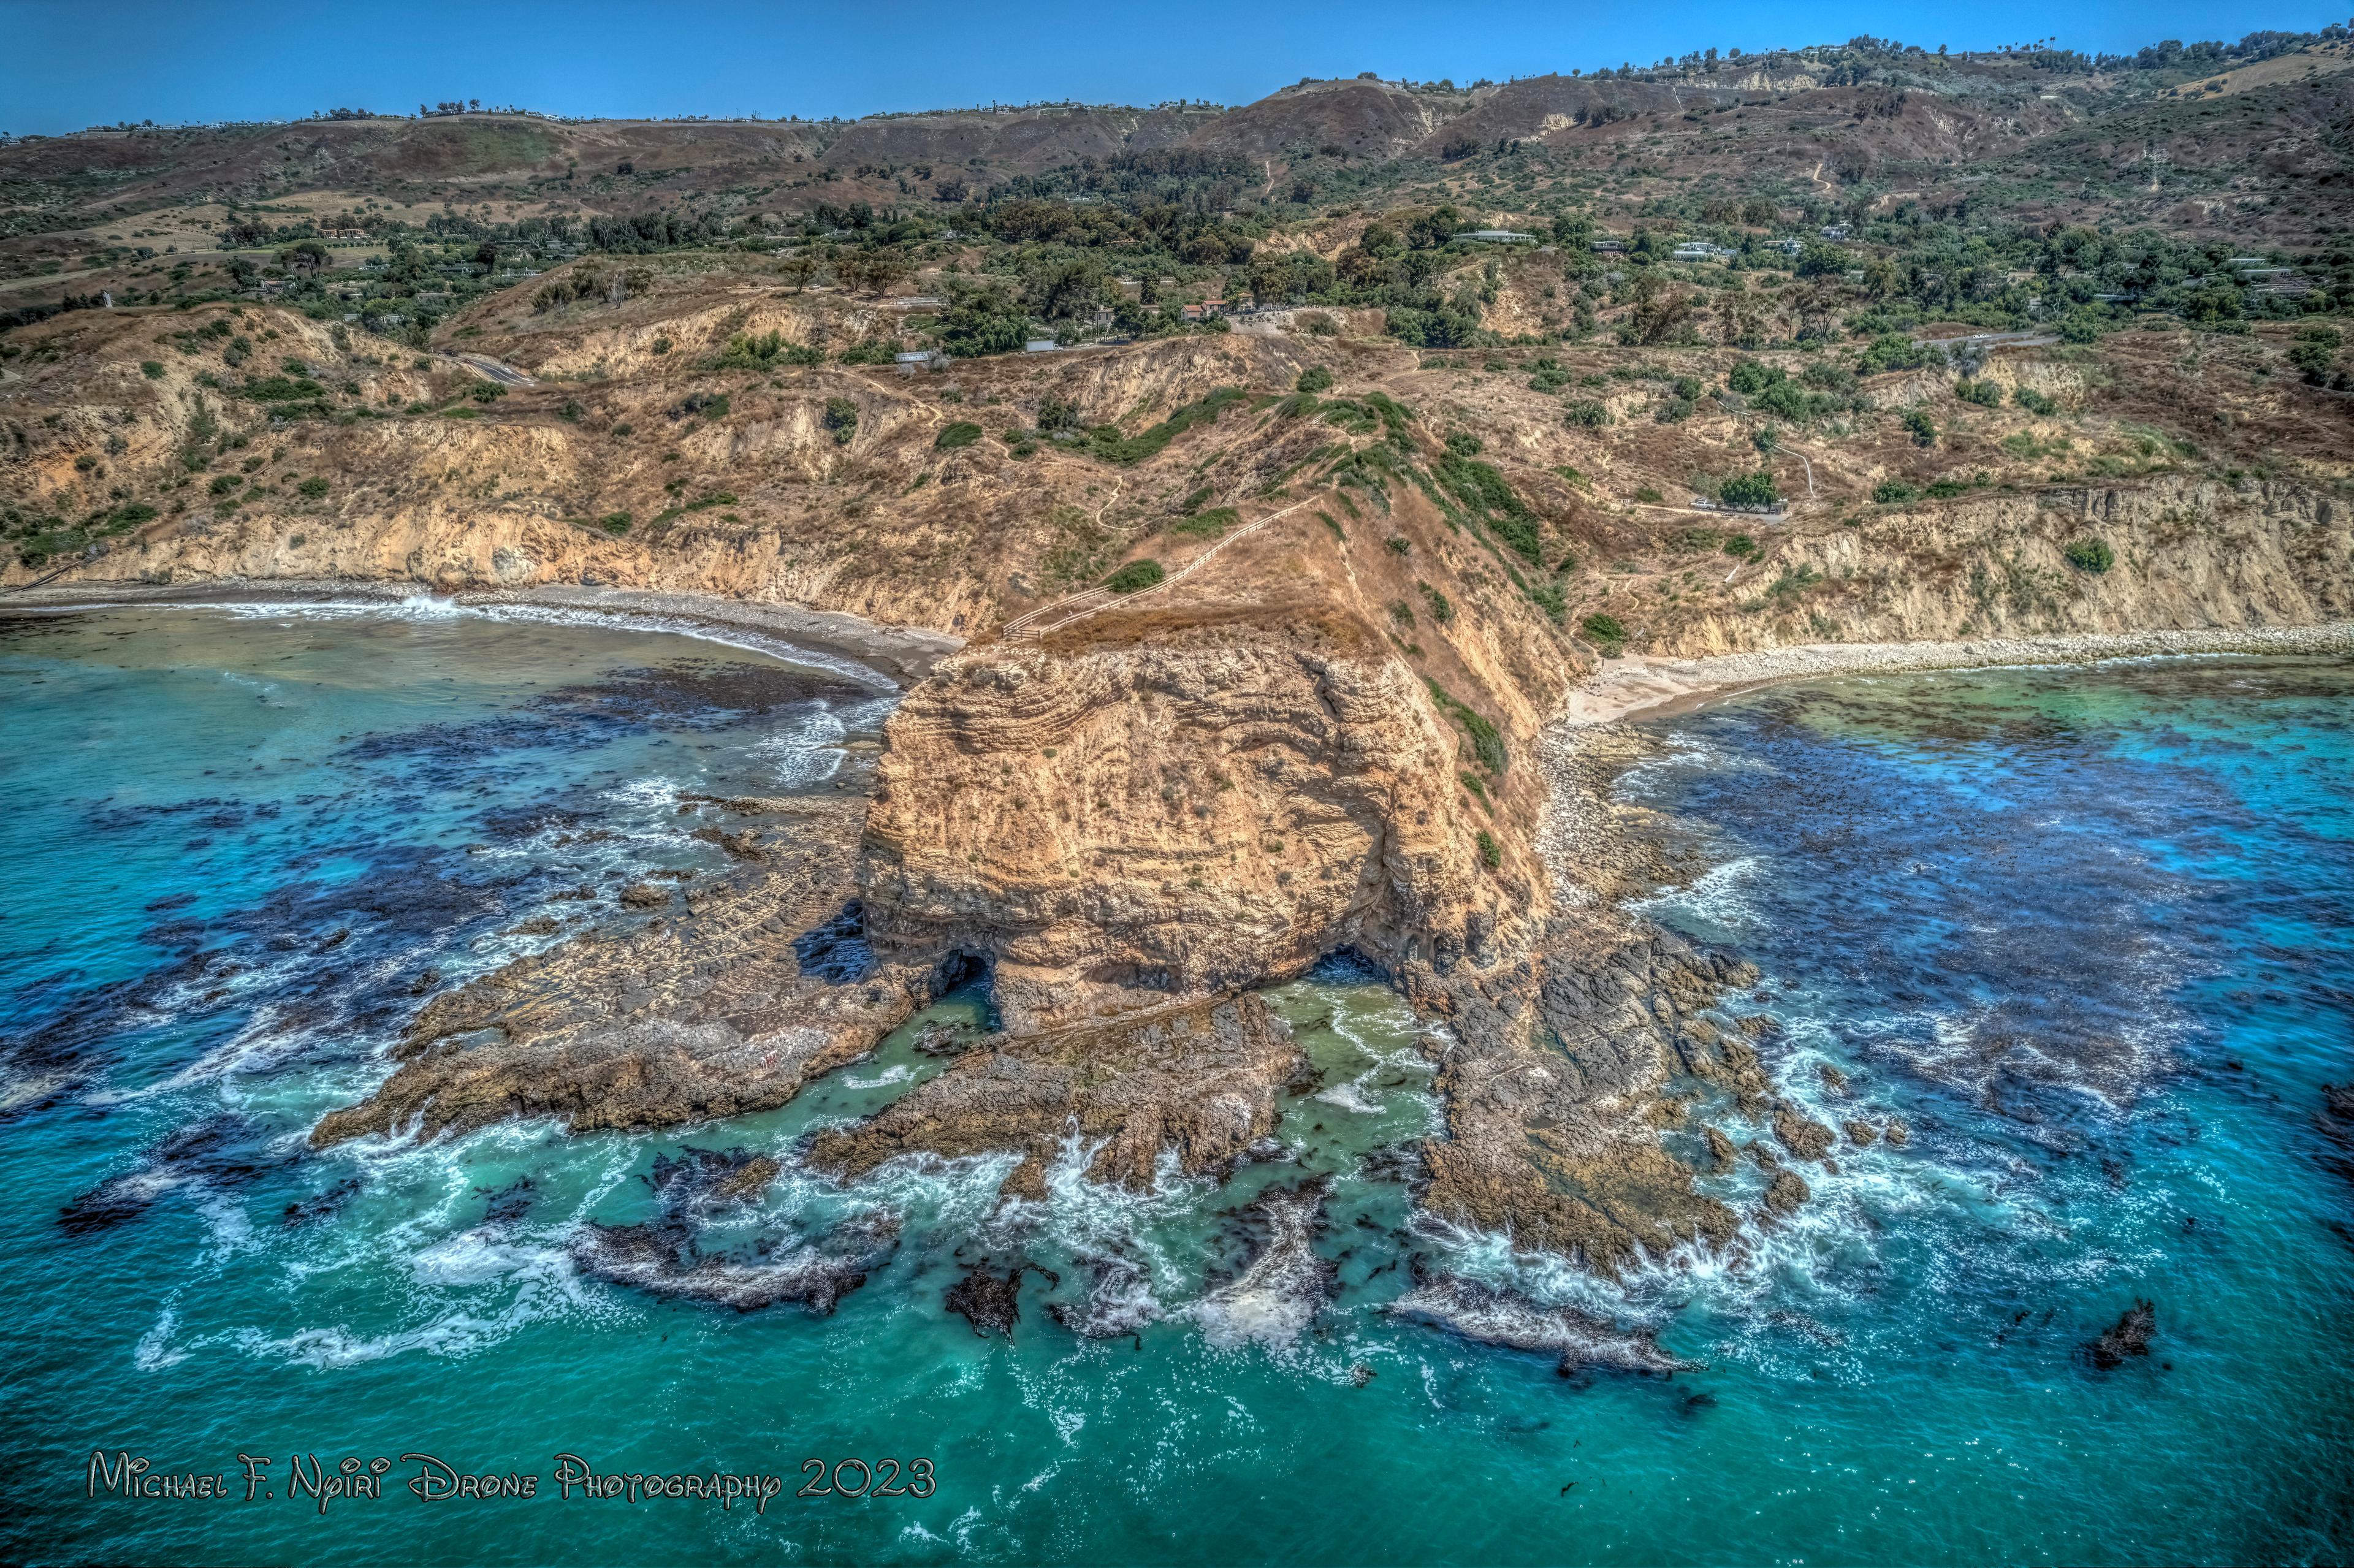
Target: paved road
column 504, row 374
column 1990, row 340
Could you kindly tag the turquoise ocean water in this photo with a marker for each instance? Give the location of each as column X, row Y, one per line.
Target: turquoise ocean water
column 2084, row 931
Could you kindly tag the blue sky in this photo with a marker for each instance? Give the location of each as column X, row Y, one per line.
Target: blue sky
column 65, row 64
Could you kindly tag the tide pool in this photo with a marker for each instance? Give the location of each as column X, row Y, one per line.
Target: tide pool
column 2082, row 932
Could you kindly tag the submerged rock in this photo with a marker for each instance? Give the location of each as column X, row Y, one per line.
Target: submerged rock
column 697, row 1180
column 1286, row 1284
column 508, row 1203
column 1488, row 1315
column 664, row 1260
column 990, row 1302
column 1118, row 1302
column 321, row 1206
column 2129, row 1336
column 218, row 1151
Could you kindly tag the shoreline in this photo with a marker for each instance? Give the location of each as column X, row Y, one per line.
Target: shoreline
column 1639, row 688
column 899, row 655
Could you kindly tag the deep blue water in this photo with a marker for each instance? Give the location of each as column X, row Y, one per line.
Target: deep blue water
column 2083, row 932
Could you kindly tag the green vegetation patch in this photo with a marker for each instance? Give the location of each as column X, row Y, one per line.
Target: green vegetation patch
column 1210, row 525
column 2090, row 554
column 1106, row 442
column 1486, row 740
column 1484, row 492
column 1136, row 576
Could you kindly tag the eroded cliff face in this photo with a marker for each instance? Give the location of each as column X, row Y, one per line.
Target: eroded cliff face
column 2190, row 553
column 1131, row 826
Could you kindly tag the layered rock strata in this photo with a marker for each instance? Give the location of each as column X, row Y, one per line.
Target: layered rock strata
column 705, row 1013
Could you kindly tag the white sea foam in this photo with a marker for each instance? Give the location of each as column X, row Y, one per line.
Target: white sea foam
column 898, row 1074
column 1350, row 1096
column 154, row 1350
column 1718, row 896
column 424, row 607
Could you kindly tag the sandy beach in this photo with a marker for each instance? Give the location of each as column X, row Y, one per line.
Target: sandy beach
column 902, row 655
column 1653, row 688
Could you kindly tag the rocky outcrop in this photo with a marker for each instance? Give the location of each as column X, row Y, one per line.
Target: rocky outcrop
column 1551, row 1081
column 1198, row 1079
column 1122, row 828
column 704, row 1014
column 1487, row 1315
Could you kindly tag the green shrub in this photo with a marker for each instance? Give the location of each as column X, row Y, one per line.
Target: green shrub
column 1742, row 547
column 1602, row 628
column 1315, row 378
column 1484, row 492
column 743, row 352
column 1399, row 544
column 151, row 368
column 2090, row 554
column 223, row 483
column 1441, row 610
column 313, row 488
column 841, row 420
column 1924, row 429
column 1491, row 853
column 1749, row 490
column 614, row 522
column 1985, row 394
column 2034, row 402
column 1585, row 415
column 962, row 433
column 1487, row 741
column 2313, row 358
column 1106, row 442
column 1649, row 496
column 1210, row 525
column 1134, row 575
column 1890, row 491
column 1894, row 350
column 1674, row 411
column 486, row 391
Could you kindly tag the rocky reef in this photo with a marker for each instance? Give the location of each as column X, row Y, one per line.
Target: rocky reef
column 1199, row 1079
column 706, row 1011
column 1488, row 1315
